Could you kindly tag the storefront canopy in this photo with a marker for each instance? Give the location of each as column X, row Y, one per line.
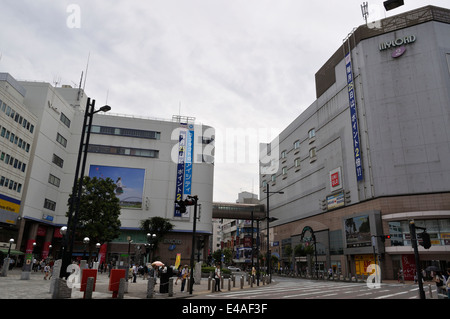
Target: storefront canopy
column 13, row 252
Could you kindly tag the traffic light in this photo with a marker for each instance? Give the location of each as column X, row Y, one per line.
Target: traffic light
column 383, row 238
column 187, row 202
column 426, row 243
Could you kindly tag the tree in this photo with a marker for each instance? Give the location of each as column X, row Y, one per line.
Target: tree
column 99, row 211
column 159, row 227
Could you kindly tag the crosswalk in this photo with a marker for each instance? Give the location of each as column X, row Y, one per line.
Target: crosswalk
column 310, row 289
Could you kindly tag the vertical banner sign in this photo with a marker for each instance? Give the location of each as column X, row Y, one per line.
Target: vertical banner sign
column 184, row 168
column 354, row 118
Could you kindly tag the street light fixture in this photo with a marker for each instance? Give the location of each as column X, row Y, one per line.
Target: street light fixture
column 268, row 221
column 76, row 193
column 11, row 241
column 392, row 4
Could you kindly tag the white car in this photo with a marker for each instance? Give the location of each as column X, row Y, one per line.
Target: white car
column 232, row 268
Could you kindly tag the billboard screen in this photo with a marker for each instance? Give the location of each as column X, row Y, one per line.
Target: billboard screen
column 129, row 181
column 357, row 232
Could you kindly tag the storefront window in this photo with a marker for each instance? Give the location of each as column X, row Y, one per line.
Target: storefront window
column 438, row 229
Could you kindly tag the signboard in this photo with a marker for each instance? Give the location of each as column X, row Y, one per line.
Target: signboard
column 354, row 118
column 335, row 200
column 184, row 168
column 9, row 209
column 129, row 181
column 336, row 179
column 357, row 232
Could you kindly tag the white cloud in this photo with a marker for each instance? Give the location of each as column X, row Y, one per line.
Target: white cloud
column 230, row 64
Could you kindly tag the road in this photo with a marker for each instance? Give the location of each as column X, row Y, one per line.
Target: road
column 293, row 288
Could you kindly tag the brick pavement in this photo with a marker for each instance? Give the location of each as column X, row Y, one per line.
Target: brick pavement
column 12, row 287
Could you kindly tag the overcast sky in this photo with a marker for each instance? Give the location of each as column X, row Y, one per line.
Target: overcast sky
column 233, row 65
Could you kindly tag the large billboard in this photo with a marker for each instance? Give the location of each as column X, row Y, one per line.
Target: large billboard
column 357, row 232
column 129, row 181
column 9, row 209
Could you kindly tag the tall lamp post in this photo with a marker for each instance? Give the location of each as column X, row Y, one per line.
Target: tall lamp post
column 268, row 221
column 76, row 193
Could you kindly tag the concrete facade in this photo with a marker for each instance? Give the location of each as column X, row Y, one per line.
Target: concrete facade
column 403, row 122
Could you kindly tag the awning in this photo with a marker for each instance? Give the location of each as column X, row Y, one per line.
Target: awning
column 13, row 252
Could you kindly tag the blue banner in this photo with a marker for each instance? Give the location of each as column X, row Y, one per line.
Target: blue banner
column 180, row 171
column 354, row 118
column 184, row 168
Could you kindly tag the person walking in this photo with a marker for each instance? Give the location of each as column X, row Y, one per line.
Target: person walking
column 184, row 275
column 217, row 277
column 46, row 271
column 439, row 280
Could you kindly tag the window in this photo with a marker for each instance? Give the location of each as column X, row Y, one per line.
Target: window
column 54, row 180
column 312, row 155
column 61, row 140
column 107, row 130
column 296, row 145
column 117, row 150
column 297, row 163
column 273, row 178
column 49, row 204
column 65, row 119
column 312, row 133
column 58, row 160
column 284, row 170
column 283, row 154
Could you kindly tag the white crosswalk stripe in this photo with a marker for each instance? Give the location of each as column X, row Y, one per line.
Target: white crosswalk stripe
column 306, row 289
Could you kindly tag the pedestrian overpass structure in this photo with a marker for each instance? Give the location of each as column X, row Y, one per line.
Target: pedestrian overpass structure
column 238, row 211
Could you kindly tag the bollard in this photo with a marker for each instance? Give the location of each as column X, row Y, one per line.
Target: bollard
column 170, row 286
column 150, row 287
column 221, row 282
column 89, row 288
column 242, row 282
column 213, row 286
column 229, row 284
column 121, row 291
column 251, row 281
column 209, row 283
column 234, row 281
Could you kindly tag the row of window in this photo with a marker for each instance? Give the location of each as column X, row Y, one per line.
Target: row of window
column 14, row 162
column 297, row 160
column 107, row 130
column 9, row 111
column 438, row 229
column 127, row 151
column 10, row 184
column 13, row 138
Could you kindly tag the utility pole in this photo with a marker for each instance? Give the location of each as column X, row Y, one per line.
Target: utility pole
column 412, row 228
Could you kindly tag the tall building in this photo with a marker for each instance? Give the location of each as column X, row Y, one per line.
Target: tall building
column 370, row 154
column 17, row 133
column 152, row 161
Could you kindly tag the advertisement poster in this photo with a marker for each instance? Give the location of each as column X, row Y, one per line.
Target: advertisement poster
column 184, row 169
column 129, row 181
column 357, row 232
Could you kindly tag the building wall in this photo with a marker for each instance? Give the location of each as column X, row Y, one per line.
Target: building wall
column 403, row 118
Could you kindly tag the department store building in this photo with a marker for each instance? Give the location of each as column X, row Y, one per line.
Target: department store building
column 369, row 155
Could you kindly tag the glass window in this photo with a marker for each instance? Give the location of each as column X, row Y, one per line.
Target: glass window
column 312, row 133
column 296, row 145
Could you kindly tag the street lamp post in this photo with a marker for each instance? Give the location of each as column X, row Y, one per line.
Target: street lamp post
column 268, row 221
column 11, row 241
column 76, row 193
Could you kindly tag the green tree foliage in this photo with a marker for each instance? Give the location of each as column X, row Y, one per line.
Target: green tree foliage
column 158, row 226
column 99, row 211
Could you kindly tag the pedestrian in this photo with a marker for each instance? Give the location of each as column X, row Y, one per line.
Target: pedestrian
column 217, row 277
column 184, row 276
column 135, row 272
column 180, row 268
column 439, row 280
column 46, row 271
column 447, row 283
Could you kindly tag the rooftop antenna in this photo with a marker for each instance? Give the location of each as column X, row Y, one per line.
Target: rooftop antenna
column 107, row 95
column 79, row 86
column 87, row 65
column 365, row 10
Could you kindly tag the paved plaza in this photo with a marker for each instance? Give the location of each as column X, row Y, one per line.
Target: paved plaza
column 12, row 287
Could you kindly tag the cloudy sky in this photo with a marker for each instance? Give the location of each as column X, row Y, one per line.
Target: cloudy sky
column 235, row 65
